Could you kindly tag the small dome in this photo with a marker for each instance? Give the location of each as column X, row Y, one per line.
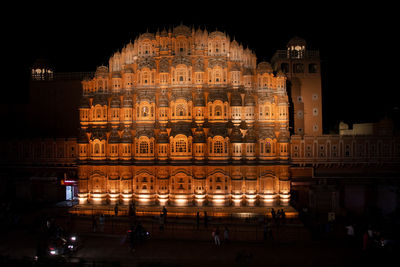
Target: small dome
column 249, row 100
column 199, row 136
column 114, row 137
column 250, row 136
column 264, row 67
column 218, row 95
column 235, row 67
column 101, row 71
column 98, row 133
column 218, row 129
column 99, row 100
column 145, row 132
column 116, row 74
column 236, row 136
column 163, row 101
column 147, row 35
column 199, row 100
column 247, row 72
column 83, row 138
column 182, row 30
column 127, row 136
column 162, row 137
column 115, row 102
column 128, row 70
column 236, row 99
column 297, row 41
column 85, row 103
column 128, row 102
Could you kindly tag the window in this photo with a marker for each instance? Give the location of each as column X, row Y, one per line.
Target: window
column 218, row 147
column 218, row 111
column 312, row 68
column 180, row 110
column 298, row 68
column 145, row 111
column 285, row 67
column 144, row 147
column 267, row 147
column 96, row 149
column 180, row 146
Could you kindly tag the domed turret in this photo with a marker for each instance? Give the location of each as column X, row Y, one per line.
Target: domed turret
column 264, row 67
column 249, row 100
column 236, row 99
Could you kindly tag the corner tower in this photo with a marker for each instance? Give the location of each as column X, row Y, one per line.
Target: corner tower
column 303, row 70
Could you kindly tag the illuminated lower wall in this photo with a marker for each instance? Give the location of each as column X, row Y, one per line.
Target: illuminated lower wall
column 185, row 185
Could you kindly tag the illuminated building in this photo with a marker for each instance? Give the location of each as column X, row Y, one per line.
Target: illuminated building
column 178, row 97
column 188, row 117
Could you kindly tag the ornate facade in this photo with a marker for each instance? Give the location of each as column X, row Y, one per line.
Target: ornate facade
column 184, row 96
column 180, row 96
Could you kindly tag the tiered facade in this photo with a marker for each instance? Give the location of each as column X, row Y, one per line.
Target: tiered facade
column 183, row 96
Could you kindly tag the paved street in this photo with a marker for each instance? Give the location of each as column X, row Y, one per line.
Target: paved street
column 182, row 244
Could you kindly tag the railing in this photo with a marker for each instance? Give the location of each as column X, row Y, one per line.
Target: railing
column 283, row 54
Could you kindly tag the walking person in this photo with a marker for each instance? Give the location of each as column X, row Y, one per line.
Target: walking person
column 216, row 237
column 205, row 220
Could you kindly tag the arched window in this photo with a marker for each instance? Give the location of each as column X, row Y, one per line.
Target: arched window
column 96, row 148
column 180, row 110
column 145, row 111
column 218, row 111
column 267, row 147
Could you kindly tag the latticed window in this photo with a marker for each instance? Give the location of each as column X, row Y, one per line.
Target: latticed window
column 180, row 110
column 180, row 146
column 144, row 147
column 218, row 111
column 145, row 111
column 218, row 147
column 267, row 147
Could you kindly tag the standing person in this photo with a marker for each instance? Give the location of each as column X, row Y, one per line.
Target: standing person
column 216, row 237
column 197, row 220
column 226, row 235
column 205, row 219
column 101, row 222
column 116, row 209
column 273, row 214
column 350, row 233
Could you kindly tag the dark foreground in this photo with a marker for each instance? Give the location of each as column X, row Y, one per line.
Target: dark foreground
column 183, row 242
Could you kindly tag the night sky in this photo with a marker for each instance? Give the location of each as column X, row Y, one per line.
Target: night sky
column 355, row 43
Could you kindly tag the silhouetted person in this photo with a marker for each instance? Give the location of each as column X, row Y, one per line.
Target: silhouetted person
column 116, row 209
column 205, row 220
column 273, row 214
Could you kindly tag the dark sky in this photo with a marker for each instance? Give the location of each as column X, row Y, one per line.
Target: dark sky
column 355, row 42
